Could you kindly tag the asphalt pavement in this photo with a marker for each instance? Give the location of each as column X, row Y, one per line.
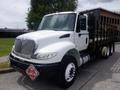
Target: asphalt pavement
column 101, row 74
column 3, row 58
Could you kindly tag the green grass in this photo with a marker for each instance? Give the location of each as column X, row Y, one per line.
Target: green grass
column 6, row 45
column 4, row 65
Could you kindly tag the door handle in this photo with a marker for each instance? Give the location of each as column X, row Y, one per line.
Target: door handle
column 79, row 34
column 86, row 40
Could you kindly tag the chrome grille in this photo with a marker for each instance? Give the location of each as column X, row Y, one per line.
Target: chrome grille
column 24, row 48
column 18, row 45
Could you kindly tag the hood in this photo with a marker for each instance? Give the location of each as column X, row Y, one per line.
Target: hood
column 42, row 34
column 44, row 37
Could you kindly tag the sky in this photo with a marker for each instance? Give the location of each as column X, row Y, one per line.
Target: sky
column 112, row 5
column 13, row 13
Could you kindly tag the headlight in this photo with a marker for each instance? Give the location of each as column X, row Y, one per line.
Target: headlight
column 45, row 55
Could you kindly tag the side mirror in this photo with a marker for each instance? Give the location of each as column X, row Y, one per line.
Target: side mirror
column 81, row 23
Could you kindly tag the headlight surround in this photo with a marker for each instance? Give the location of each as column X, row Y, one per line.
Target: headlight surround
column 42, row 56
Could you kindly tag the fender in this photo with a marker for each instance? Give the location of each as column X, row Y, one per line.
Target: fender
column 61, row 48
column 74, row 53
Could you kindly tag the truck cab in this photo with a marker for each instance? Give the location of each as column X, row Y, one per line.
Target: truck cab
column 54, row 48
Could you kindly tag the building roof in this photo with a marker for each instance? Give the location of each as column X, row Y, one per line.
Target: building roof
column 101, row 9
column 12, row 30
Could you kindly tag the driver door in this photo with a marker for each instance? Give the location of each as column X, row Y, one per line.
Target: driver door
column 81, row 35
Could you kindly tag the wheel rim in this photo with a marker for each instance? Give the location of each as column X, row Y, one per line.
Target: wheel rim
column 104, row 51
column 108, row 52
column 111, row 49
column 70, row 72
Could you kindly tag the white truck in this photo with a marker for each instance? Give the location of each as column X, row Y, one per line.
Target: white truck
column 64, row 41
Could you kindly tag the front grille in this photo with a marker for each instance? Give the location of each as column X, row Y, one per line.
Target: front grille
column 24, row 48
column 18, row 45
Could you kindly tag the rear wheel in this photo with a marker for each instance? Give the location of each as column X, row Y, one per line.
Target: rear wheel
column 105, row 51
column 108, row 52
column 111, row 49
column 68, row 70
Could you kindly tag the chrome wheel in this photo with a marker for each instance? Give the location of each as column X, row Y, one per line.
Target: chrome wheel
column 104, row 51
column 108, row 51
column 70, row 72
column 111, row 49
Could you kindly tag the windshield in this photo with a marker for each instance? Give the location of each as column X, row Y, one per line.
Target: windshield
column 58, row 22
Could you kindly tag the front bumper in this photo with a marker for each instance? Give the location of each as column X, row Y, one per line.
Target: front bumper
column 43, row 69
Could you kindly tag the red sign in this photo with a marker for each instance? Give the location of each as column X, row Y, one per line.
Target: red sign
column 32, row 72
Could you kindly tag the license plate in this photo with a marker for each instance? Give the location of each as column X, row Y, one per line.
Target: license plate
column 32, row 72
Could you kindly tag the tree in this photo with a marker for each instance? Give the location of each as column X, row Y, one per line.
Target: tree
column 41, row 7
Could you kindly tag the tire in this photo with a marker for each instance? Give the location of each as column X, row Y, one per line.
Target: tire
column 108, row 52
column 111, row 49
column 68, row 71
column 105, row 52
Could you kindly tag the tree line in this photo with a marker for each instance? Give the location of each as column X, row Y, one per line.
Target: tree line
column 41, row 7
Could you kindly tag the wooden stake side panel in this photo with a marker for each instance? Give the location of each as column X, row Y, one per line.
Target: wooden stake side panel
column 103, row 27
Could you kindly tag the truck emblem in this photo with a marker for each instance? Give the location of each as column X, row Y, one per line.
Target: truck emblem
column 32, row 72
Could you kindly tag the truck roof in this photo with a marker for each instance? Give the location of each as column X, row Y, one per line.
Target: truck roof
column 66, row 12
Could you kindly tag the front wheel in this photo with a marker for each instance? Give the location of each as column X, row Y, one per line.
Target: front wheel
column 68, row 71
